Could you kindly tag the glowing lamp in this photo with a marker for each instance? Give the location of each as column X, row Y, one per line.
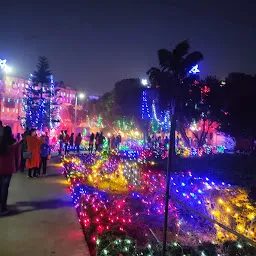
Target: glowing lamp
column 4, row 66
column 81, row 96
column 144, row 82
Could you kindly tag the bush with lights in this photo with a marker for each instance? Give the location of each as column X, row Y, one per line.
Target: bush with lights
column 120, row 201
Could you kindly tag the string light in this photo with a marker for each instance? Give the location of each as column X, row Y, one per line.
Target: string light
column 135, row 201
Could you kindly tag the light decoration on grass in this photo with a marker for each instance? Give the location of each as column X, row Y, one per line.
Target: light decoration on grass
column 140, row 206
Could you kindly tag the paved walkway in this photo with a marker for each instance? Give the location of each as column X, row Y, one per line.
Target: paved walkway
column 43, row 221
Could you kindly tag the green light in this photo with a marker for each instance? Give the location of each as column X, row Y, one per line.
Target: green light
column 239, row 246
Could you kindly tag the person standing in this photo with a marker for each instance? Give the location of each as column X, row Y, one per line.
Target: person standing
column 97, row 141
column 66, row 141
column 27, row 132
column 1, row 130
column 18, row 137
column 33, row 147
column 23, row 148
column 118, row 140
column 91, row 142
column 78, row 141
column 113, row 142
column 101, row 141
column 9, row 164
column 45, row 153
column 71, row 141
column 47, row 139
column 61, row 141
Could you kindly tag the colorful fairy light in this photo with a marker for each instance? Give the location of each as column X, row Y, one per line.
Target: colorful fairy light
column 125, row 196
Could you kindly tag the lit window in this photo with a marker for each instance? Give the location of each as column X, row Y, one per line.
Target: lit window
column 8, row 109
column 13, row 110
column 3, row 110
column 17, row 110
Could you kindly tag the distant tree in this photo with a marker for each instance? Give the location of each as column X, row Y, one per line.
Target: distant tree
column 40, row 102
column 240, row 91
column 123, row 101
column 127, row 97
column 202, row 111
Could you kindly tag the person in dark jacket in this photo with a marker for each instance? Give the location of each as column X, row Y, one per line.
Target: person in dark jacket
column 71, row 141
column 1, row 130
column 91, row 142
column 97, row 141
column 61, row 140
column 66, row 141
column 27, row 132
column 45, row 152
column 23, row 148
column 78, row 141
column 101, row 141
column 9, row 164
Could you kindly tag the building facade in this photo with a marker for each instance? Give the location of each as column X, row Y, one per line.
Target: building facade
column 11, row 94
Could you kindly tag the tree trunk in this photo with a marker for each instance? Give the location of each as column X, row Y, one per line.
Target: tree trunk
column 170, row 164
column 182, row 131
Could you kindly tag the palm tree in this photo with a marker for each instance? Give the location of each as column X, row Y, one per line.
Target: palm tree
column 174, row 67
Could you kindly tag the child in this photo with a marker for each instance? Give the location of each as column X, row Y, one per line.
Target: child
column 45, row 152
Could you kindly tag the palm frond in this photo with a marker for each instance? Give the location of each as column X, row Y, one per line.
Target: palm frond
column 181, row 49
column 164, row 57
column 191, row 60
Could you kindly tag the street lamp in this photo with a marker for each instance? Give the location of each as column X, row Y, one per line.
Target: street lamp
column 5, row 67
column 80, row 96
column 144, row 82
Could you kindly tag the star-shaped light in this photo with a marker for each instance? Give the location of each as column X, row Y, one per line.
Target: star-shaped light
column 194, row 70
column 2, row 64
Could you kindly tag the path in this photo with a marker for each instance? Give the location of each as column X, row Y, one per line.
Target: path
column 43, row 221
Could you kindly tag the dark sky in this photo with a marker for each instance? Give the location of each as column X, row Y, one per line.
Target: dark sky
column 93, row 44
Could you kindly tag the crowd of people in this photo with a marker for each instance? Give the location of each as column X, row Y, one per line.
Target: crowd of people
column 69, row 142
column 29, row 151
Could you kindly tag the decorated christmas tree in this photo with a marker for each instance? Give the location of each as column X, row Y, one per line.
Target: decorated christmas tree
column 40, row 102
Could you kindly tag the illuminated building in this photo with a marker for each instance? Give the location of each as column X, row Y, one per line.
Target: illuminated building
column 11, row 94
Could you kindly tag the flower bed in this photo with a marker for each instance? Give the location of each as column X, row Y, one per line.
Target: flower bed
column 120, row 202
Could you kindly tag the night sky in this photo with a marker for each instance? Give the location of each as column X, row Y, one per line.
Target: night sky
column 93, row 44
